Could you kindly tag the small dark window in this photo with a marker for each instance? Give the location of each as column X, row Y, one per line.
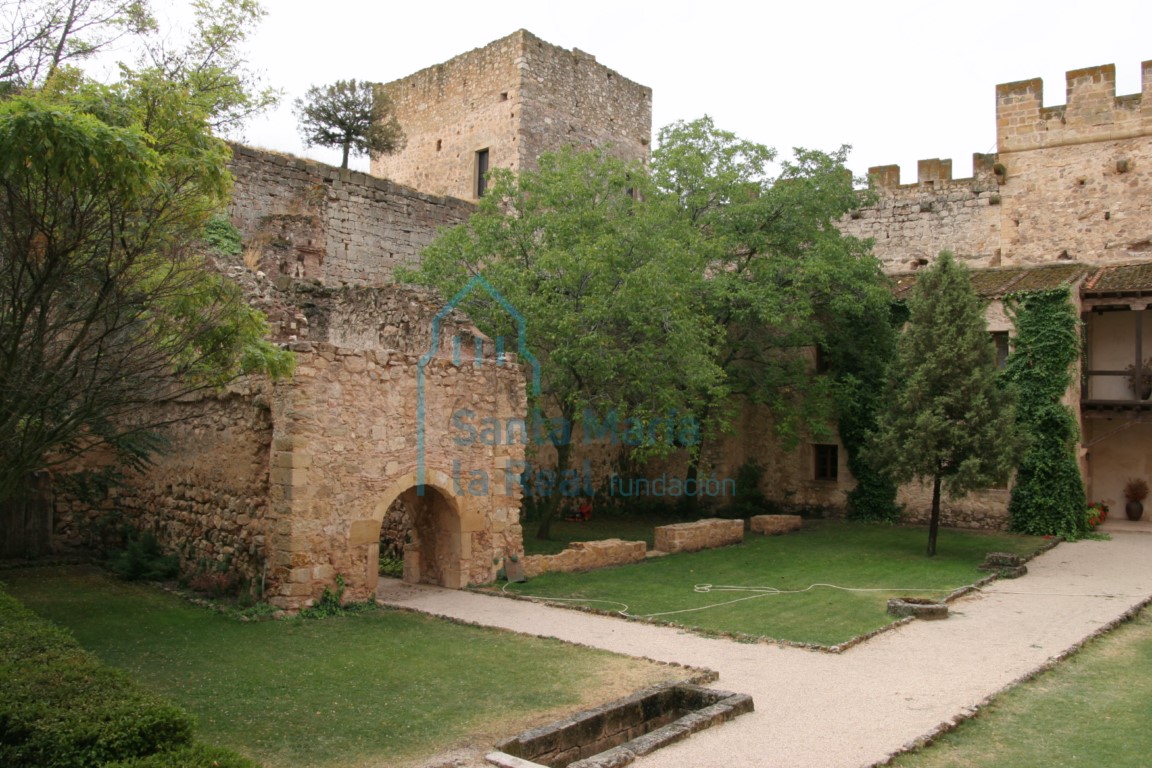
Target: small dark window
column 439, row 144
column 481, row 172
column 821, row 360
column 827, row 461
column 504, row 96
column 1000, row 339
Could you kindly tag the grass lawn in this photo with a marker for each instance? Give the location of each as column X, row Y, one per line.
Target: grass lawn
column 565, row 532
column 1092, row 710
column 376, row 688
column 830, row 552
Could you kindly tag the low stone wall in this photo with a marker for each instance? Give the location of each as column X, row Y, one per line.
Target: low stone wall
column 586, row 556
column 701, row 534
column 772, row 525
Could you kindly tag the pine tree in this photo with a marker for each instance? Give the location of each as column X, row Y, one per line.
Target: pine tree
column 948, row 417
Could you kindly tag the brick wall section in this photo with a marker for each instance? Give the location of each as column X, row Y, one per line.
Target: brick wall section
column 310, row 220
column 516, row 97
column 701, row 534
column 586, row 556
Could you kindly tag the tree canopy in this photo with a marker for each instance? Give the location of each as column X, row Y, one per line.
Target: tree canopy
column 106, row 302
column 672, row 291
column 355, row 117
column 948, row 418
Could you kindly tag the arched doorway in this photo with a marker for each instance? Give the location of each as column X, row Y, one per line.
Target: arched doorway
column 429, row 526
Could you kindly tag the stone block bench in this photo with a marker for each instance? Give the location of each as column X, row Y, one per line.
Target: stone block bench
column 701, row 534
column 586, row 556
column 773, row 525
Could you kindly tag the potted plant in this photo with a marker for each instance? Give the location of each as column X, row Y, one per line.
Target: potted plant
column 1097, row 514
column 1140, row 382
column 1135, row 491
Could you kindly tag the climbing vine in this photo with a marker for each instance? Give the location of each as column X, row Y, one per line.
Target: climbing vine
column 1048, row 496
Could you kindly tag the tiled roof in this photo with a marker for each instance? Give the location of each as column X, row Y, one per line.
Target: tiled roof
column 999, row 281
column 1122, row 278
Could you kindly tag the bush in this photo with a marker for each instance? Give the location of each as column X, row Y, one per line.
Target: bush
column 223, row 236
column 143, row 560
column 62, row 708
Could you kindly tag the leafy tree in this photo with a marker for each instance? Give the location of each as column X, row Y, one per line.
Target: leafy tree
column 781, row 276
column 609, row 288
column 354, row 116
column 948, row 418
column 37, row 37
column 1048, row 495
column 107, row 306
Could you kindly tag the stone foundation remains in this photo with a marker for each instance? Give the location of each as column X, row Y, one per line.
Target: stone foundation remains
column 586, row 556
column 701, row 534
column 773, row 525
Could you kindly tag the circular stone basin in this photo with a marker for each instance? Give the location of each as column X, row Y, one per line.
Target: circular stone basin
column 918, row 607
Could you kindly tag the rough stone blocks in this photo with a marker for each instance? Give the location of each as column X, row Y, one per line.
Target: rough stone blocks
column 773, row 525
column 701, row 534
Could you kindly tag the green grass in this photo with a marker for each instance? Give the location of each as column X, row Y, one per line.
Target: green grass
column 376, row 688
column 1091, row 710
column 564, row 532
column 831, row 552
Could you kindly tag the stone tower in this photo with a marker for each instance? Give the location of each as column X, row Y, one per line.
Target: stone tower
column 501, row 106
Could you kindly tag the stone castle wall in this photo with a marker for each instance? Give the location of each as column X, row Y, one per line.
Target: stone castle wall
column 304, row 219
column 516, row 97
column 1069, row 183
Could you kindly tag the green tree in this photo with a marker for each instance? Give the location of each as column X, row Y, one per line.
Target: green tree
column 107, row 306
column 1048, row 495
column 353, row 116
column 948, row 417
column 781, row 276
column 608, row 285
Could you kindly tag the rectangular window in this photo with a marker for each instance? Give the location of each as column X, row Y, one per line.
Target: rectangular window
column 1000, row 339
column 821, row 359
column 481, row 172
column 827, row 461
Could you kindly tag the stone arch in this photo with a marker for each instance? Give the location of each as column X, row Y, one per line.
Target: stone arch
column 440, row 550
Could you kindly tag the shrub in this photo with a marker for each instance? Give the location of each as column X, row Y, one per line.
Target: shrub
column 143, row 560
column 61, row 707
column 220, row 233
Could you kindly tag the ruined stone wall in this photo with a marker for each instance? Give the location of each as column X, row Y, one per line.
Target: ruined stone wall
column 346, row 445
column 911, row 223
column 205, row 498
column 516, row 97
column 586, row 556
column 303, row 219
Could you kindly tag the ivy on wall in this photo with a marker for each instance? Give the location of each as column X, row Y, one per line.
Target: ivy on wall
column 1048, row 496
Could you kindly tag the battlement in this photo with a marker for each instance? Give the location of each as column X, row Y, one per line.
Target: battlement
column 934, row 172
column 1092, row 112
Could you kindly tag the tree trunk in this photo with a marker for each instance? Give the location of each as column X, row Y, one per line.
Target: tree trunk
column 934, row 523
column 552, row 503
column 347, row 147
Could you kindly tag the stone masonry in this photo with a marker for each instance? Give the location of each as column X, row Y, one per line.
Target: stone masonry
column 586, row 556
column 514, row 98
column 700, row 534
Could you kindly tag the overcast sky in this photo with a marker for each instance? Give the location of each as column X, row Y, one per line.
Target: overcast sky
column 899, row 81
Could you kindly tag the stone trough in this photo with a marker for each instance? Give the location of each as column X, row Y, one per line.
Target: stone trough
column 617, row 733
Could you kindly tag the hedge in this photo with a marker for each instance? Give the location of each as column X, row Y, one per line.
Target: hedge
column 62, row 708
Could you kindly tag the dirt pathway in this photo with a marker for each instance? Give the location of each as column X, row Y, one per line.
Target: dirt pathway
column 820, row 710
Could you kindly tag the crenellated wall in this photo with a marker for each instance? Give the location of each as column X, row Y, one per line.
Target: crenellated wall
column 1069, row 183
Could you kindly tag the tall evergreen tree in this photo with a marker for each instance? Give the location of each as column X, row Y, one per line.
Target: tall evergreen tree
column 948, row 418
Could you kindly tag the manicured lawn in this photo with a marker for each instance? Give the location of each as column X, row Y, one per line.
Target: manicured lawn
column 599, row 527
column 377, row 688
column 1092, row 710
column 825, row 552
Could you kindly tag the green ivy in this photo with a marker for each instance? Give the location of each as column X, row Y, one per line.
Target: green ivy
column 1048, row 497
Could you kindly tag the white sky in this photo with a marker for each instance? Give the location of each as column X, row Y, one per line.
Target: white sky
column 899, row 81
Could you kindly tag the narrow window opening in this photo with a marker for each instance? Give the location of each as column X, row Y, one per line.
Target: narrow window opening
column 504, row 96
column 827, row 461
column 1000, row 339
column 439, row 144
column 481, row 172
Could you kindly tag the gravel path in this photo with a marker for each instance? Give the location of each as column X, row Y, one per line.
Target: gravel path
column 854, row 709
